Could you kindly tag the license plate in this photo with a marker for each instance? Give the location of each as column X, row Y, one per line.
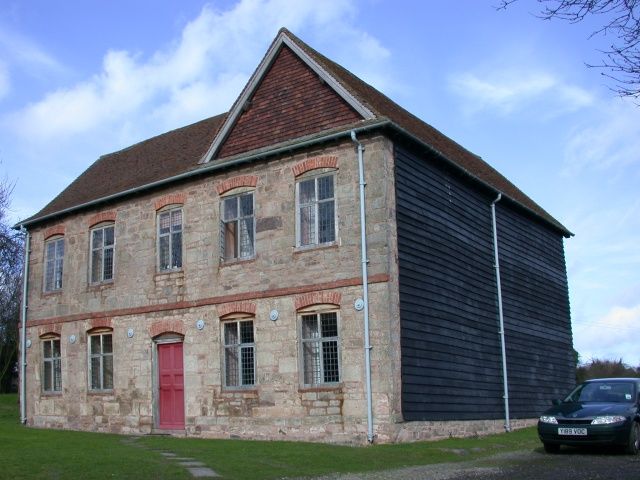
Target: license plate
column 572, row 431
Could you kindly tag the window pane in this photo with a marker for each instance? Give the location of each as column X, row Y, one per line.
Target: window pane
column 329, row 324
column 247, row 365
column 108, row 264
column 108, row 236
column 60, row 248
column 165, row 223
column 231, row 366
column 230, row 208
column 326, row 222
column 310, row 326
column 176, row 247
column 246, row 237
column 311, row 358
column 95, row 345
column 246, row 205
column 57, row 375
column 96, row 241
column 51, row 250
column 107, row 362
column 164, row 252
column 58, row 274
column 47, row 349
column 307, row 191
column 47, row 376
column 95, row 373
column 56, row 348
column 307, row 225
column 107, row 344
column 231, row 333
column 230, row 240
column 176, row 220
column 246, row 332
column 330, row 361
column 325, row 187
column 96, row 266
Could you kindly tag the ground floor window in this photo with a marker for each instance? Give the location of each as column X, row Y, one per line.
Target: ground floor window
column 320, row 343
column 101, row 361
column 239, row 354
column 51, row 366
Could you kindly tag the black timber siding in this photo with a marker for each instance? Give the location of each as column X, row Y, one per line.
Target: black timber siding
column 451, row 358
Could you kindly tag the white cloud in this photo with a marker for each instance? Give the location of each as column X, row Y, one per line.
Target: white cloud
column 199, row 75
column 512, row 90
column 608, row 141
column 611, row 336
column 26, row 53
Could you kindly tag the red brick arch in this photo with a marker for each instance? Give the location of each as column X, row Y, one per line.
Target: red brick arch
column 166, row 326
column 236, row 182
column 236, row 307
column 173, row 199
column 55, row 230
column 109, row 216
column 325, row 161
column 315, row 298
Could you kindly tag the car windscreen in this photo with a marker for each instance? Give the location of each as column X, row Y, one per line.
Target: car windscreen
column 603, row 392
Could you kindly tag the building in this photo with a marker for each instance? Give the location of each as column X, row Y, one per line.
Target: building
column 209, row 281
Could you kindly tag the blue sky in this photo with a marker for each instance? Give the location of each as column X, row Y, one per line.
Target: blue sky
column 80, row 79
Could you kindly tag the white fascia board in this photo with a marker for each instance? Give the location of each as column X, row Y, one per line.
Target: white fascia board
column 254, row 81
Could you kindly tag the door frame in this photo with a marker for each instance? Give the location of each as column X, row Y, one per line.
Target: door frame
column 162, row 339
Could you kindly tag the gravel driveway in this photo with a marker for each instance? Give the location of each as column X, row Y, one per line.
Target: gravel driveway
column 570, row 464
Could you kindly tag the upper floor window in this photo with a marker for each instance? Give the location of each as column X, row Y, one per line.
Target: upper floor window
column 54, row 258
column 239, row 354
column 315, row 211
column 237, row 227
column 320, row 356
column 170, row 239
column 102, row 249
column 101, row 361
column 51, row 366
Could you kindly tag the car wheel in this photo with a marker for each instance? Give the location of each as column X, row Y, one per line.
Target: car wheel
column 551, row 447
column 634, row 439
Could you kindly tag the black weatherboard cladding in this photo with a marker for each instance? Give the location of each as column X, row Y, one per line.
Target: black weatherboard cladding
column 451, row 360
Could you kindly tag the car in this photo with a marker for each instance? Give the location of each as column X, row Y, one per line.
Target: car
column 601, row 411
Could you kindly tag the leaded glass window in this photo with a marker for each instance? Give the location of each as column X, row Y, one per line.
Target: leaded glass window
column 320, row 343
column 239, row 354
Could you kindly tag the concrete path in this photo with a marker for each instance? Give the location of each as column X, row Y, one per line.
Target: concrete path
column 196, row 468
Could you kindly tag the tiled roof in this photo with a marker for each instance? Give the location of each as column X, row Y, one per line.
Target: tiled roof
column 179, row 151
column 149, row 161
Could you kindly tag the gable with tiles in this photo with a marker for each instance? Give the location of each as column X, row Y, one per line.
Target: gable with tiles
column 223, row 287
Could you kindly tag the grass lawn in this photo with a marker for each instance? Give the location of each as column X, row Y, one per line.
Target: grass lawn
column 52, row 454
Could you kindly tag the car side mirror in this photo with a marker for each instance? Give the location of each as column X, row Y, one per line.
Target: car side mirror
column 556, row 402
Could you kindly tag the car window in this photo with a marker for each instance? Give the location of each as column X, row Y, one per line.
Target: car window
column 603, row 392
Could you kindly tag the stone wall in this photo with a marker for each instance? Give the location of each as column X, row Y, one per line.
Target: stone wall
column 280, row 276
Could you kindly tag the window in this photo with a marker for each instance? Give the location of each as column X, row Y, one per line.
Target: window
column 239, row 354
column 170, row 239
column 101, row 361
column 237, row 227
column 51, row 366
column 102, row 245
column 315, row 218
column 320, row 348
column 54, row 256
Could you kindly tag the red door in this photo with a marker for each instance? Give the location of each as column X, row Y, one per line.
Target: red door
column 171, row 386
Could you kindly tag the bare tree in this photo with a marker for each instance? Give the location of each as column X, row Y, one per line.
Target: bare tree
column 620, row 19
column 11, row 252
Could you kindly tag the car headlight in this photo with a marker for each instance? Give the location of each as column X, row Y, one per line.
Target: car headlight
column 548, row 419
column 607, row 419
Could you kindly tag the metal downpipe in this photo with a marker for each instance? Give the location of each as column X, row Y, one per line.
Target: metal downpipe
column 507, row 422
column 365, row 286
column 23, row 336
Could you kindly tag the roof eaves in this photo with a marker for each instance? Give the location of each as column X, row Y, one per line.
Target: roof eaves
column 218, row 165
